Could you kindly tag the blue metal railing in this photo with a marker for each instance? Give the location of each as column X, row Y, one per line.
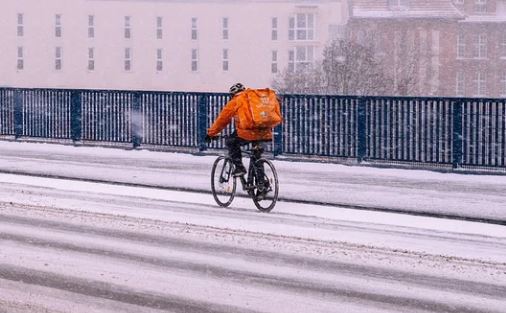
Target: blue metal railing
column 458, row 132
column 320, row 125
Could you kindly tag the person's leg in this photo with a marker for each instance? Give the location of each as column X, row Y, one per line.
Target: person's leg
column 263, row 181
column 257, row 153
column 233, row 144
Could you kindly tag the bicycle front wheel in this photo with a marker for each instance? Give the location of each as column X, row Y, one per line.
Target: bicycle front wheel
column 223, row 183
column 267, row 187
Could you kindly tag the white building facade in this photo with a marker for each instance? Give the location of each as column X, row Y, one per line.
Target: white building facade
column 161, row 45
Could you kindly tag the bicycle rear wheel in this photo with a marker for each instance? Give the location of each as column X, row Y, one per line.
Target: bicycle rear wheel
column 266, row 191
column 223, row 184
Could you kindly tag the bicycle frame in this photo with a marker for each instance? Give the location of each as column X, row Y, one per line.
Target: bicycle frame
column 247, row 180
column 255, row 182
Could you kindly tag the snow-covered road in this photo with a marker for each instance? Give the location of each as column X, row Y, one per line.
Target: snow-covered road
column 417, row 191
column 70, row 246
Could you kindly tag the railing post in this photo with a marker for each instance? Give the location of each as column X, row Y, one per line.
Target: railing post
column 361, row 130
column 137, row 131
column 202, row 113
column 277, row 133
column 277, row 138
column 75, row 116
column 18, row 113
column 458, row 139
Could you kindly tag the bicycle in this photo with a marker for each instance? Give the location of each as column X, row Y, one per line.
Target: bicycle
column 260, row 182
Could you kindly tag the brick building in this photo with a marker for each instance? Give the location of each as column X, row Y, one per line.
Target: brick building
column 436, row 47
column 481, row 49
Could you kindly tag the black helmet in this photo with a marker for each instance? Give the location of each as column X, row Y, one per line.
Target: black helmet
column 236, row 88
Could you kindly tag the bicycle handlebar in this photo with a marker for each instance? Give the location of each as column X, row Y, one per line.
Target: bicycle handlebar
column 214, row 138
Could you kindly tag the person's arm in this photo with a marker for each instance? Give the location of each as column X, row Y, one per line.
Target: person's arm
column 223, row 119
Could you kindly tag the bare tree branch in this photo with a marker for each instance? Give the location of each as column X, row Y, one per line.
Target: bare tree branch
column 348, row 68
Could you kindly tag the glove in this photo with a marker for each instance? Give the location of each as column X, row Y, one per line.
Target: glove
column 208, row 139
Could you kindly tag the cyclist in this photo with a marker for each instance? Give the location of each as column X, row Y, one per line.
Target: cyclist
column 237, row 109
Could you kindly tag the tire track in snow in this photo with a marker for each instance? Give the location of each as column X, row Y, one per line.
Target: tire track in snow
column 109, row 291
column 368, row 272
column 136, row 203
column 313, row 289
column 281, row 199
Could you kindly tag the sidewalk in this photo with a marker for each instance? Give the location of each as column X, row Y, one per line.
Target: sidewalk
column 476, row 196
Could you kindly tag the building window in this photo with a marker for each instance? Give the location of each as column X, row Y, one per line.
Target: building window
column 194, row 28
column 21, row 62
column 91, row 26
column 128, row 59
column 503, row 85
column 20, row 29
column 159, row 60
column 58, row 59
column 159, row 27
column 195, row 60
column 301, row 27
column 291, row 60
column 304, row 55
column 225, row 28
column 57, row 25
column 503, row 45
column 225, row 60
column 274, row 25
column 128, row 29
column 460, row 84
column 91, row 59
column 274, row 62
column 480, row 84
column 461, row 46
column 480, row 46
column 300, row 57
column 481, row 6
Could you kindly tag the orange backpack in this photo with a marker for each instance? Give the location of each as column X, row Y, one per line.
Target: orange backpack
column 263, row 105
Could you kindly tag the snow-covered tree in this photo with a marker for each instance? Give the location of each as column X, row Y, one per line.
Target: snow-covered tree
column 349, row 68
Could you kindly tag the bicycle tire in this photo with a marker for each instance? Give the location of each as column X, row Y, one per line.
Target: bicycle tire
column 267, row 204
column 223, row 184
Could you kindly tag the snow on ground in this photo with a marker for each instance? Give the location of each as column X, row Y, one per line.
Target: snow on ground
column 70, row 245
column 478, row 196
column 473, row 195
column 318, row 211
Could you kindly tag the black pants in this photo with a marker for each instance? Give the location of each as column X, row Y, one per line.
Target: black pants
column 234, row 144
